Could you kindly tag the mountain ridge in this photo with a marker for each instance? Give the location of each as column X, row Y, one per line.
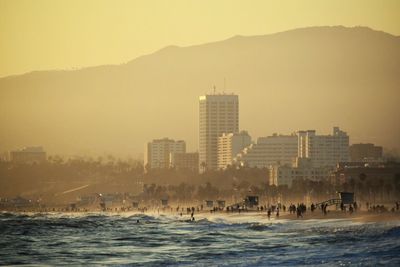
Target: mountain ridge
column 314, row 77
column 195, row 45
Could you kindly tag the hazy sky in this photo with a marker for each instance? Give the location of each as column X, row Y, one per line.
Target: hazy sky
column 51, row 34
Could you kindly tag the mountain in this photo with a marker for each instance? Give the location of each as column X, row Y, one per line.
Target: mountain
column 309, row 78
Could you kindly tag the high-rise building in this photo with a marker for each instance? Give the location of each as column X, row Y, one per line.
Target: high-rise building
column 366, row 153
column 324, row 150
column 229, row 145
column 269, row 150
column 28, row 155
column 219, row 113
column 157, row 152
column 185, row 161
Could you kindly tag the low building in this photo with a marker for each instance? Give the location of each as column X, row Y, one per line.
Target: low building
column 28, row 155
column 347, row 171
column 300, row 169
column 185, row 161
column 157, row 152
column 366, row 153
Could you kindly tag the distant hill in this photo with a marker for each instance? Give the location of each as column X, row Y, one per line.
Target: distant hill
column 310, row 78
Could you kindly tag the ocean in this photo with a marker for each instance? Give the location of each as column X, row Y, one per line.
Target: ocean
column 169, row 240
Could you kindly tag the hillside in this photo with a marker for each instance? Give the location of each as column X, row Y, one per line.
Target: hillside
column 310, row 78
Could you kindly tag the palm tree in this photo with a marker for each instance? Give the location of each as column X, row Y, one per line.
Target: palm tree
column 381, row 183
column 203, row 166
column 388, row 189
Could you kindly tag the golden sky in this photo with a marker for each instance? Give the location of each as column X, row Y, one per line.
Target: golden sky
column 55, row 34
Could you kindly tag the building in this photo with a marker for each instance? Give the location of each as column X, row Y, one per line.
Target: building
column 185, row 161
column 269, row 150
column 366, row 153
column 28, row 155
column 324, row 150
column 157, row 152
column 219, row 113
column 302, row 169
column 366, row 172
column 4, row 156
column 229, row 145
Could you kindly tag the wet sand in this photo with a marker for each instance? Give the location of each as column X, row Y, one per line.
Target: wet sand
column 360, row 216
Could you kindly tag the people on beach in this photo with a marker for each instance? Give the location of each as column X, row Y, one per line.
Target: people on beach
column 192, row 215
column 298, row 212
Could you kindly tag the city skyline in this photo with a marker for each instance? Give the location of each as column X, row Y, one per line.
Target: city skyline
column 224, row 132
column 199, row 132
column 101, row 110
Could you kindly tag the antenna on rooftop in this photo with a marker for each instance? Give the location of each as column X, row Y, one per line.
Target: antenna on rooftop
column 214, row 89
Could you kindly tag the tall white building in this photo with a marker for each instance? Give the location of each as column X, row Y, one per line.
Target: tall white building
column 157, row 152
column 219, row 113
column 324, row 150
column 229, row 145
column 269, row 150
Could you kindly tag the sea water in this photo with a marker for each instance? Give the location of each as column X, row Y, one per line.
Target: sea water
column 236, row 240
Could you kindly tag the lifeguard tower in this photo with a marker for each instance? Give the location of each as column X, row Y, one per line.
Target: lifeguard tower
column 345, row 198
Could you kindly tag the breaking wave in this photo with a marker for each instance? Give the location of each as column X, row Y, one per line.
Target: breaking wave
column 141, row 239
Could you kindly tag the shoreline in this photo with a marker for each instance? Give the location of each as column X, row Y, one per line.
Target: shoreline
column 359, row 216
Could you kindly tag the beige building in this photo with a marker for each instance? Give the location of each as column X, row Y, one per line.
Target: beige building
column 185, row 161
column 324, row 150
column 219, row 113
column 229, row 145
column 366, row 153
column 28, row 155
column 157, row 152
column 269, row 150
column 302, row 168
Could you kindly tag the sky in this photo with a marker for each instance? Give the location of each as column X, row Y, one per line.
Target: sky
column 69, row 34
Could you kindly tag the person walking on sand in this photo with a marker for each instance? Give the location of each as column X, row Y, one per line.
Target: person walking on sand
column 269, row 214
column 277, row 213
column 298, row 211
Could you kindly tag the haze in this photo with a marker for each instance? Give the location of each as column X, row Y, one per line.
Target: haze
column 290, row 70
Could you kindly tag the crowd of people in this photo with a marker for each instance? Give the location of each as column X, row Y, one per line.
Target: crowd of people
column 275, row 210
